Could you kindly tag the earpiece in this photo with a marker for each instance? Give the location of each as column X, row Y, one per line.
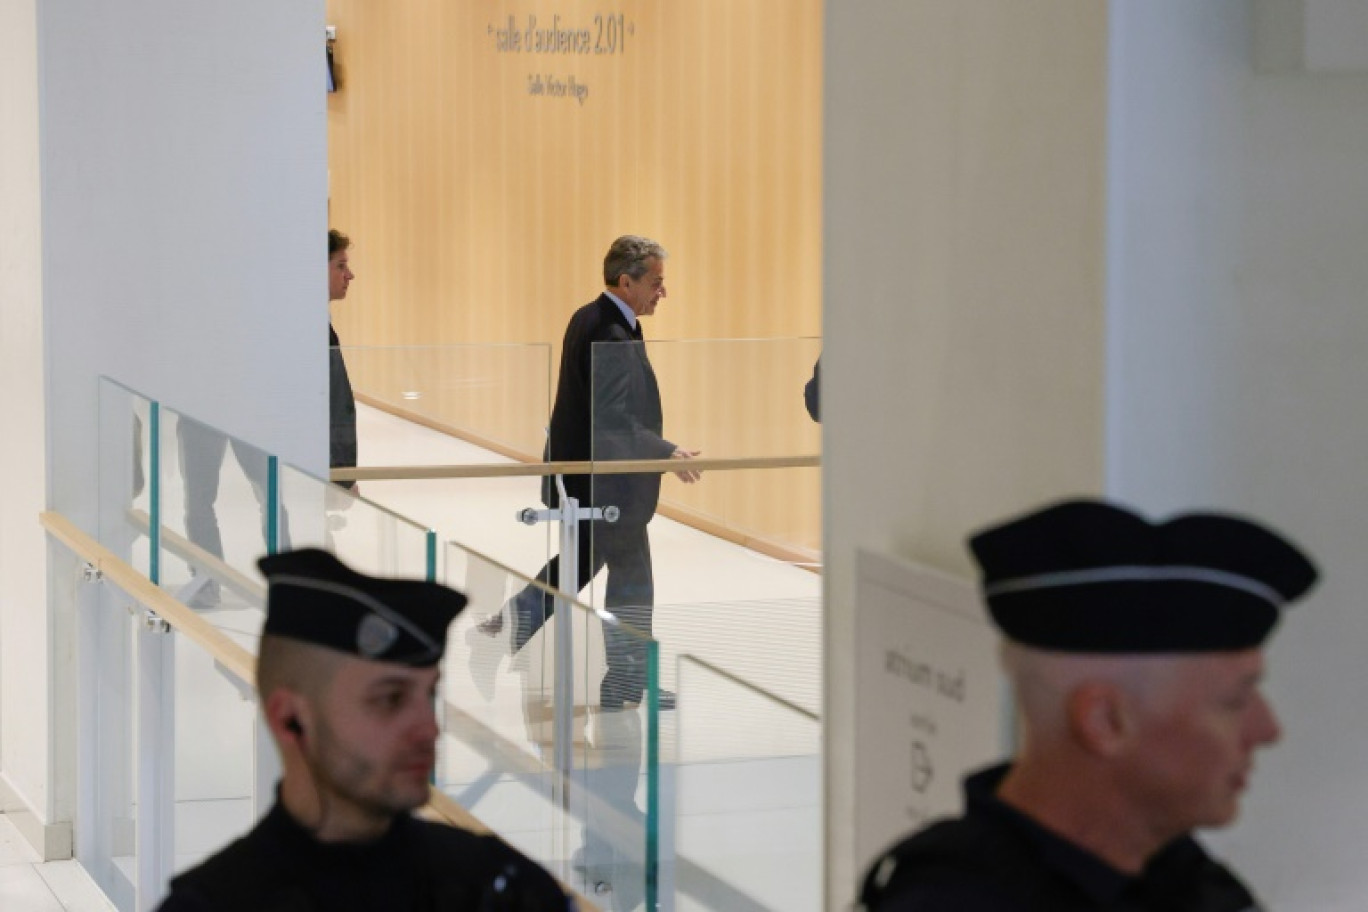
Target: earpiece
column 292, row 724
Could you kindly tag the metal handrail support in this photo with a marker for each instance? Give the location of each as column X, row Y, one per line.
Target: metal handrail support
column 570, row 514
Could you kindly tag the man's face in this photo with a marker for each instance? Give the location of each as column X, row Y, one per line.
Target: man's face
column 377, row 736
column 1197, row 741
column 644, row 293
column 339, row 276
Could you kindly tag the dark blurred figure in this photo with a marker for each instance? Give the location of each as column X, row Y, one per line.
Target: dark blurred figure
column 812, row 392
column 341, row 401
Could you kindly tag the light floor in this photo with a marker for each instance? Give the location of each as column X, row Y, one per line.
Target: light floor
column 29, row 885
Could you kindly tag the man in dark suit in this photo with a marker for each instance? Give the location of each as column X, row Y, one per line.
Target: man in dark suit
column 608, row 407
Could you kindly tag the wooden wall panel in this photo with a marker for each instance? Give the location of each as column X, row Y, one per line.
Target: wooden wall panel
column 480, row 213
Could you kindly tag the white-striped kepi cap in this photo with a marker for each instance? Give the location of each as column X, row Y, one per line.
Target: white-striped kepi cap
column 1089, row 576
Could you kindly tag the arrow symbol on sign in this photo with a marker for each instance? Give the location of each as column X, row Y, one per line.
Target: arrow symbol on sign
column 922, row 773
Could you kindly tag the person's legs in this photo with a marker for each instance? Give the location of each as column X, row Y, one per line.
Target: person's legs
column 256, row 466
column 630, row 596
column 533, row 606
column 528, row 611
column 201, row 461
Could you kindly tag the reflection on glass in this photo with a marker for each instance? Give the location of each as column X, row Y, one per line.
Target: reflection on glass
column 365, row 536
column 127, row 482
column 218, row 517
column 588, row 822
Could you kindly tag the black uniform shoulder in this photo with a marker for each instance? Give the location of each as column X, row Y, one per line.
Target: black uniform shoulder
column 962, row 865
column 240, row 876
column 487, row 860
column 1184, row 876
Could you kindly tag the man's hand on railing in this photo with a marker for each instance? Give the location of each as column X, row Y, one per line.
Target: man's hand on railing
column 688, row 476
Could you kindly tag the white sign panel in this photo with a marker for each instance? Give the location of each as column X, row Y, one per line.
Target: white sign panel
column 930, row 697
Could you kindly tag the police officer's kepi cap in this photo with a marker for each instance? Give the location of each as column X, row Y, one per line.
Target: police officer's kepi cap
column 1088, row 576
column 315, row 598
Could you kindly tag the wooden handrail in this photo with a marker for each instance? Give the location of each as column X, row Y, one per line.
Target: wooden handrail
column 213, row 565
column 601, row 467
column 218, row 644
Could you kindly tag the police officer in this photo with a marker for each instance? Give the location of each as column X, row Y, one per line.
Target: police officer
column 347, row 675
column 1135, row 652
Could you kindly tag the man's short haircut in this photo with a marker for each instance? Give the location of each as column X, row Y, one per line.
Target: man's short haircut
column 337, row 242
column 630, row 256
column 1042, row 679
column 284, row 663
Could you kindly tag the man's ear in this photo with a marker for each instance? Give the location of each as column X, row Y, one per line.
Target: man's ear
column 287, row 715
column 1101, row 717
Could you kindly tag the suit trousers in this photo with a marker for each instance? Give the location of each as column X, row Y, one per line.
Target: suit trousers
column 629, row 595
column 201, row 462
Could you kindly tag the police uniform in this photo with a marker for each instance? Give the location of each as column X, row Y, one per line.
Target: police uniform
column 997, row 859
column 1088, row 577
column 416, row 865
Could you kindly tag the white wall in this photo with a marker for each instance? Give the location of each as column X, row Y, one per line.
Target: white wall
column 1238, row 263
column 964, row 214
column 23, row 621
column 183, row 212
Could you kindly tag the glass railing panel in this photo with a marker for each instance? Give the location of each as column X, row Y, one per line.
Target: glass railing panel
column 212, row 738
column 766, row 508
column 495, row 753
column 217, row 515
column 747, row 795
column 725, row 399
column 492, row 396
column 774, row 643
column 479, row 510
column 366, row 536
column 127, row 483
column 458, row 405
column 620, row 859
column 585, row 813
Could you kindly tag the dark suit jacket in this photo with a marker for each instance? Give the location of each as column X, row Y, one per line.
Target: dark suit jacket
column 607, row 407
column 341, row 411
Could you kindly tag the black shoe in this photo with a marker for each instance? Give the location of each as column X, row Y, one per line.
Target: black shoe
column 486, row 652
column 665, row 701
column 200, row 593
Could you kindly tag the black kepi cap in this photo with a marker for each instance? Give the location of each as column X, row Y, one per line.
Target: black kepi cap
column 1089, row 576
column 315, row 598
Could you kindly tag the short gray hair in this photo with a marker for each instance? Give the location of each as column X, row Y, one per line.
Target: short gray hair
column 628, row 256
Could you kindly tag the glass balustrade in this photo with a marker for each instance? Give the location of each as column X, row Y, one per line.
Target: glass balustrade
column 688, row 684
column 127, row 493
column 495, row 398
column 765, row 500
column 589, row 810
column 746, row 768
column 219, row 500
